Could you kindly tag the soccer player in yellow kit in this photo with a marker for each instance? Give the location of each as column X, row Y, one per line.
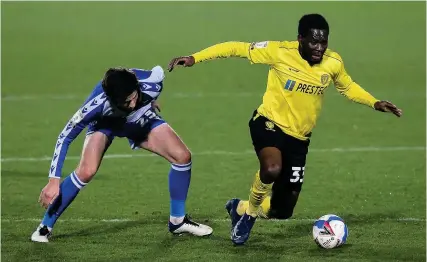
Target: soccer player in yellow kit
column 300, row 71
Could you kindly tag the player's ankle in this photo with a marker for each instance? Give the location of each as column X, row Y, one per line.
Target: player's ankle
column 176, row 220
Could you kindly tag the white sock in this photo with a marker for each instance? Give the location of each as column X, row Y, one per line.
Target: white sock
column 49, row 228
column 176, row 220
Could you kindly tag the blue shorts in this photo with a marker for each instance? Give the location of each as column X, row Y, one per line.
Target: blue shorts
column 136, row 133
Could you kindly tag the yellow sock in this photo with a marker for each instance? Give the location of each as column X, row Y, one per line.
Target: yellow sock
column 258, row 193
column 265, row 207
column 241, row 208
column 262, row 212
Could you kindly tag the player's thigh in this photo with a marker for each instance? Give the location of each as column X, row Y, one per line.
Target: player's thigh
column 94, row 147
column 267, row 140
column 164, row 141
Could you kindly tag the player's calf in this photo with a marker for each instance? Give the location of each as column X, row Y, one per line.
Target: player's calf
column 69, row 189
column 163, row 141
column 93, row 149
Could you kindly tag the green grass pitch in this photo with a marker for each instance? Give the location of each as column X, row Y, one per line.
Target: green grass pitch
column 53, row 53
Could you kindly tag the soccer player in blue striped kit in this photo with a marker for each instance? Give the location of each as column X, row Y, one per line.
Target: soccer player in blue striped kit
column 123, row 104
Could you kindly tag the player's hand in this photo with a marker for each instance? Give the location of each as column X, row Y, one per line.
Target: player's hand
column 185, row 61
column 156, row 106
column 49, row 192
column 386, row 106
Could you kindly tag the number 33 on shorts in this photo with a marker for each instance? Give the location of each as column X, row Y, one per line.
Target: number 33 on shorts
column 297, row 175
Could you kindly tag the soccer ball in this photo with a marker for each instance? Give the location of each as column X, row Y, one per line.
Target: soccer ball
column 330, row 231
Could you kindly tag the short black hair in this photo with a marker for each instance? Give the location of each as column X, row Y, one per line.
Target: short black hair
column 312, row 21
column 118, row 83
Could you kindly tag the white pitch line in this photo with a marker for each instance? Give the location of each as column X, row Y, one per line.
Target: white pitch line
column 174, row 95
column 228, row 153
column 123, row 220
column 40, row 97
column 259, row 93
column 6, row 98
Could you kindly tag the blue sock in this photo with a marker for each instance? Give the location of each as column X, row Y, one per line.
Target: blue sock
column 68, row 190
column 179, row 181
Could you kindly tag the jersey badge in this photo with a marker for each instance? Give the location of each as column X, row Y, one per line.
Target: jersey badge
column 324, row 79
column 269, row 126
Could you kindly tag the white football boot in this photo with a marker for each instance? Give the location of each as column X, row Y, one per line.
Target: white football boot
column 41, row 234
column 190, row 227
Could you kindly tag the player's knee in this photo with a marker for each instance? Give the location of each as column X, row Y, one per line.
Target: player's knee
column 86, row 172
column 182, row 157
column 270, row 173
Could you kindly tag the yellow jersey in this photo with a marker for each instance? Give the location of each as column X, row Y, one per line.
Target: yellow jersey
column 295, row 89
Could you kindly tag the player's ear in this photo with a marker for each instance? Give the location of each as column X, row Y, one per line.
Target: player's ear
column 300, row 38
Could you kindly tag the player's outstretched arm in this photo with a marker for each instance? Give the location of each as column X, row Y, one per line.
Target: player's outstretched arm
column 222, row 50
column 357, row 94
column 350, row 89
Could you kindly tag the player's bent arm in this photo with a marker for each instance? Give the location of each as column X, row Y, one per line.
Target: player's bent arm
column 86, row 114
column 68, row 134
column 357, row 94
column 223, row 50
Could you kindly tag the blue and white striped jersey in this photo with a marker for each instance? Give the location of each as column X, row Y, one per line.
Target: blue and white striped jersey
column 97, row 106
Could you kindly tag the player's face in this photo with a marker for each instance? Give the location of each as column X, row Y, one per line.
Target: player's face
column 130, row 102
column 314, row 45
